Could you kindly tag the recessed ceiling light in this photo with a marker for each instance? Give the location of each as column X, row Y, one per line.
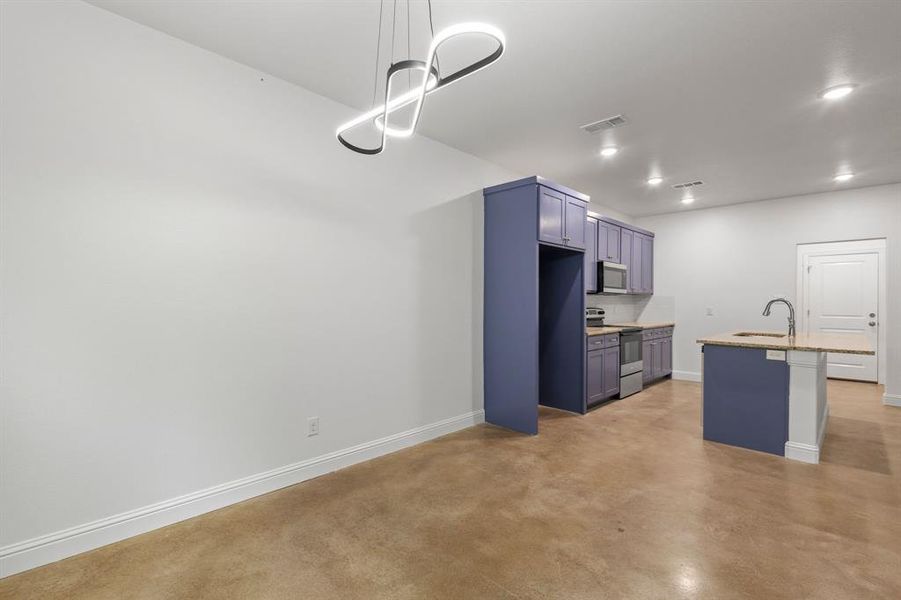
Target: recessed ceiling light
column 688, row 200
column 837, row 91
column 842, row 177
column 655, row 180
column 609, row 151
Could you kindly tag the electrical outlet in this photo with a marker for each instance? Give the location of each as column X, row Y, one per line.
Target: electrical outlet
column 709, row 311
column 312, row 426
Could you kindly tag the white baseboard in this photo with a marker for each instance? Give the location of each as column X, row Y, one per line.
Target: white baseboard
column 48, row 548
column 891, row 399
column 802, row 452
column 806, row 452
column 687, row 376
column 823, row 424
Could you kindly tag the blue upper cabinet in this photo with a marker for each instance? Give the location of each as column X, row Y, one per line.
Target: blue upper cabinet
column 551, row 209
column 561, row 218
column 629, row 245
column 626, row 246
column 609, row 236
column 635, row 264
column 591, row 255
column 575, row 217
column 647, row 264
column 641, row 264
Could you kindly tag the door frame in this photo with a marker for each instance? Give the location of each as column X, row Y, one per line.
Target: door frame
column 868, row 246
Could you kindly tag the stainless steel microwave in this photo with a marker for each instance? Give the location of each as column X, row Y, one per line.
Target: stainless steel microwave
column 611, row 277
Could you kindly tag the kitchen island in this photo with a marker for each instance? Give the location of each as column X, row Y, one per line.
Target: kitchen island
column 767, row 391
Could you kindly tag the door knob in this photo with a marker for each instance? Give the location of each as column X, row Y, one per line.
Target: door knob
column 872, row 315
column 872, row 323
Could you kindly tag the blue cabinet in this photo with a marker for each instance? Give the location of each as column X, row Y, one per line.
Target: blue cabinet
column 561, row 218
column 551, row 208
column 667, row 352
column 641, row 263
column 745, row 398
column 646, row 283
column 646, row 361
column 635, row 264
column 632, row 247
column 574, row 223
column 534, row 301
column 609, row 241
column 602, row 368
column 594, row 376
column 611, row 371
column 656, row 353
column 626, row 244
column 591, row 255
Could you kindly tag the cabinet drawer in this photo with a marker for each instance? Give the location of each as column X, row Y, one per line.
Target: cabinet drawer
column 607, row 340
column 656, row 333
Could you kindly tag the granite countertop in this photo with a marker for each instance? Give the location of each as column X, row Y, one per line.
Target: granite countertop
column 846, row 343
column 602, row 330
column 648, row 324
column 610, row 329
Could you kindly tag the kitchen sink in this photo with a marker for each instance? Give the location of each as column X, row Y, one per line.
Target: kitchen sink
column 759, row 334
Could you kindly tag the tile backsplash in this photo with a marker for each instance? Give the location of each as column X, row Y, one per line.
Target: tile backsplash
column 623, row 309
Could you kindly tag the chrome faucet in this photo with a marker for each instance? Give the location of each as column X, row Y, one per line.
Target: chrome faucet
column 791, row 313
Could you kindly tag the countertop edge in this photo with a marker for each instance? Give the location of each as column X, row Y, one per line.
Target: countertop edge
column 608, row 329
column 774, row 346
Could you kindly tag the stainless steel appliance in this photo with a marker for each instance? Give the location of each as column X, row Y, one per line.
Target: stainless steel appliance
column 594, row 317
column 611, row 277
column 630, row 362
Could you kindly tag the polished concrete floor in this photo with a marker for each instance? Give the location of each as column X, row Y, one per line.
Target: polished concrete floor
column 626, row 502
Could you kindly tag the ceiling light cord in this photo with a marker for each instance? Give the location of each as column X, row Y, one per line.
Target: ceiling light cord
column 432, row 31
column 378, row 50
column 393, row 25
column 409, row 72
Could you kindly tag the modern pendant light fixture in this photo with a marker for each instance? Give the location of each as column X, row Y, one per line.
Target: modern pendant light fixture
column 431, row 80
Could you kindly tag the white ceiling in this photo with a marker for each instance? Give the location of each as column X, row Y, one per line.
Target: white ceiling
column 725, row 92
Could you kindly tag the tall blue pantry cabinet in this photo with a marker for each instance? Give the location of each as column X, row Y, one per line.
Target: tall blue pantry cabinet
column 534, row 306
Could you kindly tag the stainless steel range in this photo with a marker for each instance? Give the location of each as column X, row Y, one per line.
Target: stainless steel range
column 630, row 361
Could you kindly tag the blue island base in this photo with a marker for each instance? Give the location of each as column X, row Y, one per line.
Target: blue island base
column 745, row 398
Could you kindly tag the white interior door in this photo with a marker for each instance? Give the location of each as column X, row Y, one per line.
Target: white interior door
column 843, row 293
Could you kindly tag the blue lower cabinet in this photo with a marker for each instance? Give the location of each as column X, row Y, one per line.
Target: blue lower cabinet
column 647, row 370
column 611, row 371
column 667, row 356
column 602, row 369
column 594, row 370
column 656, row 354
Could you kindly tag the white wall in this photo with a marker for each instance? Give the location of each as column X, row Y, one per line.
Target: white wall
column 192, row 266
column 735, row 258
column 595, row 207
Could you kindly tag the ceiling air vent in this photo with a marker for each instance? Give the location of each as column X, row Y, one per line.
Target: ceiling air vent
column 687, row 184
column 609, row 123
